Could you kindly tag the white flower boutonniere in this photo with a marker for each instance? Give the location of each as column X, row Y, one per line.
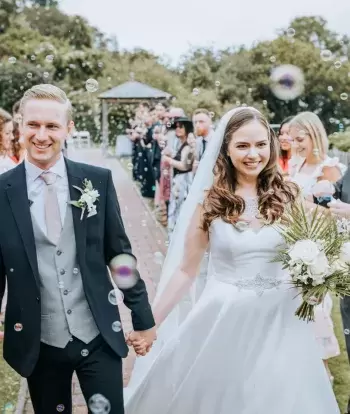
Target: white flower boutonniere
column 88, row 198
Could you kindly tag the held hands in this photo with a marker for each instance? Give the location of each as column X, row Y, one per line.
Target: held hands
column 142, row 341
column 336, row 207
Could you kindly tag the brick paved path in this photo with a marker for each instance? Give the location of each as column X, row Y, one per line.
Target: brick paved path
column 147, row 238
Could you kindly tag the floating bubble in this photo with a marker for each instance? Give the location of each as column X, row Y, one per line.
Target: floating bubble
column 272, row 59
column 98, row 404
column 91, row 85
column 346, row 331
column 12, row 60
column 168, row 124
column 238, row 103
column 49, row 58
column 287, row 82
column 18, row 327
column 115, row 297
column 84, row 352
column 123, row 271
column 211, row 114
column 326, row 55
column 291, row 32
column 343, row 96
column 195, row 91
column 158, row 258
column 129, row 166
column 29, row 75
column 337, row 64
column 264, row 102
column 217, row 83
column 46, row 74
column 330, row 88
column 60, row 408
column 116, row 326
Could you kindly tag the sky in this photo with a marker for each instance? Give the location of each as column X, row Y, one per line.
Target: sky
column 170, row 28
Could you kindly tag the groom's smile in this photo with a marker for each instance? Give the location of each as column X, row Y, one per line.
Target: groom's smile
column 45, row 128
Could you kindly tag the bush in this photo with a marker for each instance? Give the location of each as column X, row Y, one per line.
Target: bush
column 341, row 140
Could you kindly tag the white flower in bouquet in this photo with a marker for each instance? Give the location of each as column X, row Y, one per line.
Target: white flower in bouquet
column 305, row 251
column 319, row 269
column 344, row 255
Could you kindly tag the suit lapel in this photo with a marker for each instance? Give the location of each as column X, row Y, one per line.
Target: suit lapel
column 76, row 178
column 18, row 198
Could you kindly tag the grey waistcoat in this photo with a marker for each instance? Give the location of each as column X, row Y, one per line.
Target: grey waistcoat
column 64, row 309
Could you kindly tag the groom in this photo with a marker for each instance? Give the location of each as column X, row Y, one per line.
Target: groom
column 58, row 318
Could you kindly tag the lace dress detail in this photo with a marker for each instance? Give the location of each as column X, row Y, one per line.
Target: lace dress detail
column 259, row 284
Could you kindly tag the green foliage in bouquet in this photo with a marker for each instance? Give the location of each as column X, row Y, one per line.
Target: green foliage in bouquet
column 315, row 256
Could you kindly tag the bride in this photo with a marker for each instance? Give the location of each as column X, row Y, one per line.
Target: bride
column 241, row 349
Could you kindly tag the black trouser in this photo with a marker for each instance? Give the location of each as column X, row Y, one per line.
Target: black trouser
column 98, row 368
column 345, row 314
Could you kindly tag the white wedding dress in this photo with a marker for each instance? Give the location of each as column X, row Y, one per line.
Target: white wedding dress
column 241, row 349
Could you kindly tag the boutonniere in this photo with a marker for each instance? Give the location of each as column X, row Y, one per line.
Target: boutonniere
column 88, row 198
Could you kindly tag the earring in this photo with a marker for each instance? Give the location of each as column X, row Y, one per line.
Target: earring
column 316, row 152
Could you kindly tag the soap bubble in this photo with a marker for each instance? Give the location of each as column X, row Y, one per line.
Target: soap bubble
column 18, row 327
column 91, row 85
column 98, row 404
column 116, row 326
column 343, row 96
column 60, row 408
column 195, row 91
column 12, row 60
column 287, row 82
column 115, row 297
column 123, row 271
column 290, row 32
column 326, row 55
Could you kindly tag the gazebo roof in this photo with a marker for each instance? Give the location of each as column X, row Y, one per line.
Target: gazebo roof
column 134, row 90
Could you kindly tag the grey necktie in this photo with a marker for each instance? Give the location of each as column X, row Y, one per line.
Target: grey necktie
column 52, row 209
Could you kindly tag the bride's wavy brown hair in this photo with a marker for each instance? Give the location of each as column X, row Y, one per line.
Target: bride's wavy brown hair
column 274, row 193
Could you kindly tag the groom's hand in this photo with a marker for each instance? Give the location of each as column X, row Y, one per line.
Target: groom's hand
column 142, row 341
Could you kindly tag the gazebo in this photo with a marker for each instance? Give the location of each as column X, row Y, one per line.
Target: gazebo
column 127, row 93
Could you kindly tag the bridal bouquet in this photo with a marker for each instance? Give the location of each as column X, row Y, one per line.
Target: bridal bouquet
column 317, row 255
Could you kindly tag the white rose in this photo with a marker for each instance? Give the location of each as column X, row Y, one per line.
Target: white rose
column 304, row 250
column 319, row 268
column 86, row 198
column 344, row 255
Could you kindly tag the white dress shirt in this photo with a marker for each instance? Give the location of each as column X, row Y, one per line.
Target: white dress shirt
column 36, row 190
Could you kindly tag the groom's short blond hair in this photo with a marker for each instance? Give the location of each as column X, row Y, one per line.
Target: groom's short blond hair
column 47, row 92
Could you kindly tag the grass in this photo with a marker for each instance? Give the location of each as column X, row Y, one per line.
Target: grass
column 9, row 385
column 339, row 366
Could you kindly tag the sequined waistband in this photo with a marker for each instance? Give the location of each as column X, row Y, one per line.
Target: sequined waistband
column 258, row 284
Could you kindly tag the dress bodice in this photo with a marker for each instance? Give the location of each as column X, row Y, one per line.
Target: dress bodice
column 244, row 257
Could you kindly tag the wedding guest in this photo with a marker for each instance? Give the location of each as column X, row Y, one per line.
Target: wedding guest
column 6, row 138
column 311, row 144
column 203, row 129
column 285, row 142
column 181, row 164
column 341, row 209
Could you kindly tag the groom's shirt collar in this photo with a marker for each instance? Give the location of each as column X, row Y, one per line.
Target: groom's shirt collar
column 35, row 172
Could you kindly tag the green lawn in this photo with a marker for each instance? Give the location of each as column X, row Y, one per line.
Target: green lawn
column 9, row 385
column 340, row 365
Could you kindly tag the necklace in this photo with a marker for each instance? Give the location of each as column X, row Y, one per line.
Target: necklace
column 251, row 207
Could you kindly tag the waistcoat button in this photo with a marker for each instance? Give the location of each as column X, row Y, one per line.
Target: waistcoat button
column 62, row 271
column 59, row 252
column 69, row 311
column 65, row 292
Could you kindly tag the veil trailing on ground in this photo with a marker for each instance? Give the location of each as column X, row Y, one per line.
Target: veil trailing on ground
column 203, row 181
